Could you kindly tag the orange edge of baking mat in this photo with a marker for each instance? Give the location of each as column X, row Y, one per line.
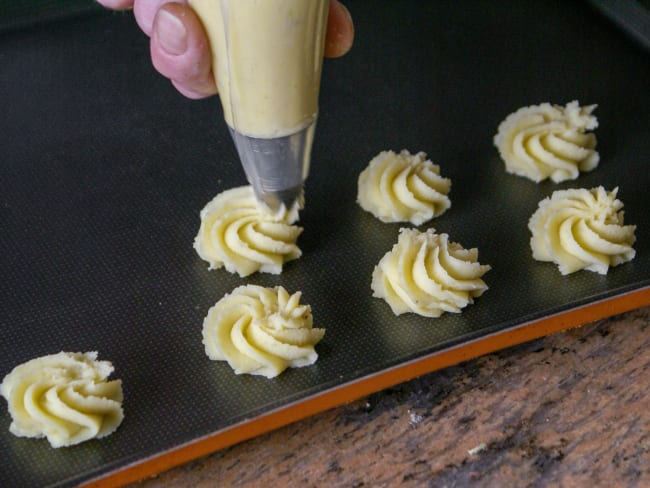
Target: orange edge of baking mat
column 373, row 383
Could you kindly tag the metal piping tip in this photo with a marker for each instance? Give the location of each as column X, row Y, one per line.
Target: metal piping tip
column 276, row 167
column 289, row 198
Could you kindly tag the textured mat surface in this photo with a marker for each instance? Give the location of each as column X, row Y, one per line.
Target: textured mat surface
column 105, row 167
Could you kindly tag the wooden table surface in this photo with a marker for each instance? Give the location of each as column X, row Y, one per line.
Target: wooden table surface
column 571, row 409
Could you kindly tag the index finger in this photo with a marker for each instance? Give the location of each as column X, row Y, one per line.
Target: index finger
column 116, row 4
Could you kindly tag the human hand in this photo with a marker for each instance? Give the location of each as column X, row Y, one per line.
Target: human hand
column 179, row 46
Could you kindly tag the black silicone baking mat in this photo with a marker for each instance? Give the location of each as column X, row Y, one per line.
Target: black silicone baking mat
column 104, row 168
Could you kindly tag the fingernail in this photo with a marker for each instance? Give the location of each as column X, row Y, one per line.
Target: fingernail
column 171, row 33
column 346, row 12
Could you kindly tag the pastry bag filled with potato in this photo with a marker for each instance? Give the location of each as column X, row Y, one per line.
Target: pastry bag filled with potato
column 267, row 61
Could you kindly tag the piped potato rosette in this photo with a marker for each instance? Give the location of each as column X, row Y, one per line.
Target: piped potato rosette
column 581, row 229
column 403, row 187
column 426, row 274
column 261, row 331
column 549, row 141
column 243, row 236
column 64, row 397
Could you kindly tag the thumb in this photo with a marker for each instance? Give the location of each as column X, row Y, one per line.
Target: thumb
column 180, row 50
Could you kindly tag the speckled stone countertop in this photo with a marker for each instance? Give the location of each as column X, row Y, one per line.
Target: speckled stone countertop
column 567, row 410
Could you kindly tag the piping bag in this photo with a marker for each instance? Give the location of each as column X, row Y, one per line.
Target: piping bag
column 267, row 63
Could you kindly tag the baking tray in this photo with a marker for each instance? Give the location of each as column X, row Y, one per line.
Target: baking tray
column 105, row 167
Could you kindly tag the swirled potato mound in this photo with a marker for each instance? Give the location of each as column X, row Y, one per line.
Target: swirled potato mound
column 64, row 397
column 581, row 229
column 403, row 187
column 548, row 141
column 242, row 235
column 426, row 274
column 261, row 331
